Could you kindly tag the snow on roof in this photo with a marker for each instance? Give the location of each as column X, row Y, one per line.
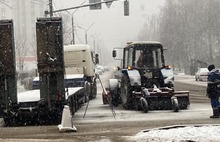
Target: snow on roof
column 143, row 42
column 76, row 47
column 69, row 76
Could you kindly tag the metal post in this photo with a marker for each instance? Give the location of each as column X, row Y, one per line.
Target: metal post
column 73, row 42
column 86, row 37
column 86, row 40
column 94, row 45
column 94, row 42
column 51, row 8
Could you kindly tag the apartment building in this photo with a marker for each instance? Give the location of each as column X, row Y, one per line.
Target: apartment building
column 24, row 14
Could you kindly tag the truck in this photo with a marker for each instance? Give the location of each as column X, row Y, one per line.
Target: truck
column 79, row 74
column 66, row 76
column 144, row 82
column 80, row 61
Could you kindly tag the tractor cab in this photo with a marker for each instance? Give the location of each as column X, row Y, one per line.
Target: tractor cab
column 147, row 58
column 143, row 56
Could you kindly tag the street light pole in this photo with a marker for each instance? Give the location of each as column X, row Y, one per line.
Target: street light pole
column 86, row 39
column 94, row 42
column 73, row 31
column 73, row 41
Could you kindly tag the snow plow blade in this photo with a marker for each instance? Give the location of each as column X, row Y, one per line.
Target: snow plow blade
column 163, row 99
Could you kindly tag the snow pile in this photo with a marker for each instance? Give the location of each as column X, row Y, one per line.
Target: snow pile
column 206, row 133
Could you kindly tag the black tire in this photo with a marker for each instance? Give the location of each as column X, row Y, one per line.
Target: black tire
column 175, row 105
column 94, row 90
column 144, row 105
column 88, row 90
column 126, row 91
column 114, row 98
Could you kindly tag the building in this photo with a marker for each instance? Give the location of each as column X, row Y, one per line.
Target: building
column 24, row 14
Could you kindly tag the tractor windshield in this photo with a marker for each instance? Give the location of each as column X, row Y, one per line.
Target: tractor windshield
column 148, row 57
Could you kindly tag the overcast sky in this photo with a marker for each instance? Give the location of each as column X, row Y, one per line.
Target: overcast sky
column 114, row 29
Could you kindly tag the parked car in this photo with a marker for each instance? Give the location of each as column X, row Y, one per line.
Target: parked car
column 202, row 74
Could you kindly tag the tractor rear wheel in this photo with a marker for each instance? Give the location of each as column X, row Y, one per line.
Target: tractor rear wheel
column 126, row 92
column 175, row 105
column 144, row 105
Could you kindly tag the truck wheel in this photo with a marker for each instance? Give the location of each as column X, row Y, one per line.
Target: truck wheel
column 144, row 105
column 88, row 89
column 175, row 104
column 94, row 90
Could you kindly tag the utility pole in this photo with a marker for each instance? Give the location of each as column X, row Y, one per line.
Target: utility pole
column 51, row 8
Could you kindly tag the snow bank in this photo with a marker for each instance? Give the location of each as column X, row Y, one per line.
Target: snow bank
column 203, row 133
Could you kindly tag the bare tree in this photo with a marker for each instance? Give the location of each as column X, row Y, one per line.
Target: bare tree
column 189, row 28
column 21, row 52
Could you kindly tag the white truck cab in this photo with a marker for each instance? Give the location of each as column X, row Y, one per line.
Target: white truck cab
column 81, row 60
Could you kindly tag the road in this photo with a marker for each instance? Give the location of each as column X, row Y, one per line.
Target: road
column 99, row 125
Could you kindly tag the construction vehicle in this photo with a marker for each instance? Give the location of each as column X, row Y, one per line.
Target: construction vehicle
column 79, row 76
column 144, row 82
column 53, row 88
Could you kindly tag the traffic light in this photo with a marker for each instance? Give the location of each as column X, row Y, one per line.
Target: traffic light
column 95, row 6
column 126, row 8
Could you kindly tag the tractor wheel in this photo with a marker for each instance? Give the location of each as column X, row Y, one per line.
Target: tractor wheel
column 144, row 105
column 126, row 91
column 113, row 90
column 175, row 105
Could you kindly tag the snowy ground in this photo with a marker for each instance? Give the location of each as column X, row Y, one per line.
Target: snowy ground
column 197, row 133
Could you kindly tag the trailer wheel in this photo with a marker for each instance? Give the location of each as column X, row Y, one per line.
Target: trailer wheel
column 144, row 105
column 94, row 89
column 175, row 104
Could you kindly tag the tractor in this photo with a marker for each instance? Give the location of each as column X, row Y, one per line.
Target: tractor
column 144, row 82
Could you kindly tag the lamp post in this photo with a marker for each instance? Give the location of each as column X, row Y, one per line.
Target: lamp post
column 86, row 30
column 72, row 21
column 94, row 42
column 72, row 25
